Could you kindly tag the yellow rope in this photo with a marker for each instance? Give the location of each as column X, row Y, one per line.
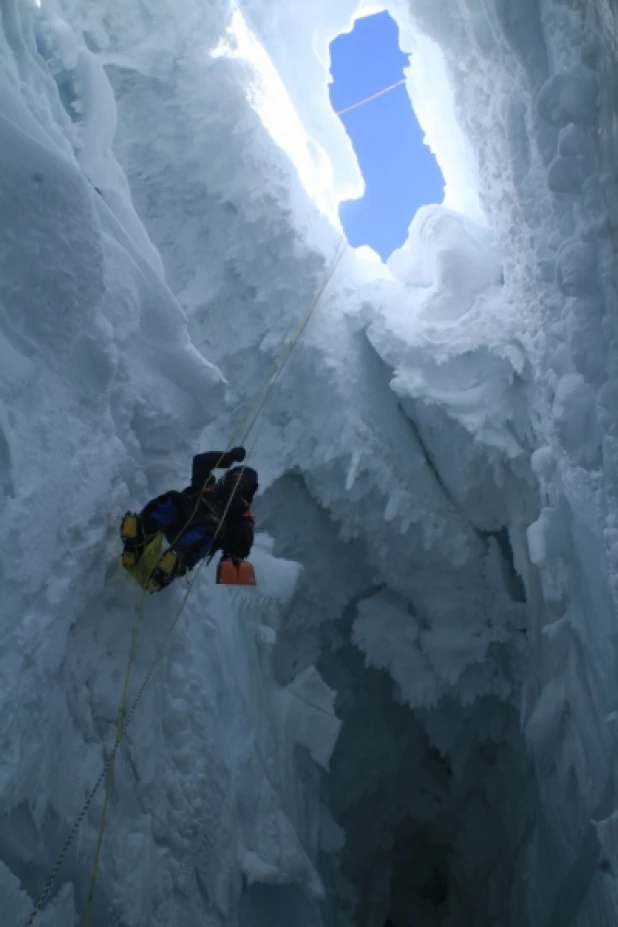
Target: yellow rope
column 268, row 385
column 124, row 717
column 374, row 96
column 110, row 775
column 272, row 384
column 284, row 355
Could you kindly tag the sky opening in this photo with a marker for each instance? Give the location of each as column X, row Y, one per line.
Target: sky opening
column 400, row 171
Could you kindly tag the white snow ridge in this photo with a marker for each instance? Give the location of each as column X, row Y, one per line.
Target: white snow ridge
column 412, row 720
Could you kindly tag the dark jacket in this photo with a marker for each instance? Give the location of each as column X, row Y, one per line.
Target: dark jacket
column 216, row 501
column 204, row 464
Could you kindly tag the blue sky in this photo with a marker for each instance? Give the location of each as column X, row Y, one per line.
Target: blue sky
column 400, row 172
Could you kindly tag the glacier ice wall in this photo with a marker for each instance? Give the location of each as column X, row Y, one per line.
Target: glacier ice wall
column 544, row 139
column 104, row 395
column 418, row 725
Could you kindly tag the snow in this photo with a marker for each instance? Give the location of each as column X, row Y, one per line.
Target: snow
column 412, row 716
column 574, row 416
column 569, row 98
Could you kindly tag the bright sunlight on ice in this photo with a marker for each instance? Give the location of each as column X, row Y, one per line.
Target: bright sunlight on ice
column 268, row 96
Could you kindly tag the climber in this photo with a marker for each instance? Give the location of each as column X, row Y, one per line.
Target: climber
column 207, row 516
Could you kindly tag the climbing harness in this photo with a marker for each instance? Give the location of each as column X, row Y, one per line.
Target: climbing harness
column 124, row 718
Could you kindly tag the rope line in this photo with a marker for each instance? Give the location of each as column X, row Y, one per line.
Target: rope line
column 110, row 776
column 283, row 356
column 374, row 96
column 124, row 718
column 268, row 384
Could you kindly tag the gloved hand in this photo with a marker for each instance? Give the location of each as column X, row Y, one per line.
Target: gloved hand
column 238, row 454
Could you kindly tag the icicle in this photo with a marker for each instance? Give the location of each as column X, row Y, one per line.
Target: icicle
column 392, row 506
column 353, row 471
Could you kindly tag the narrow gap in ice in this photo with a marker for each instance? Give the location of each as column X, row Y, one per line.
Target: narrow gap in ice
column 400, row 172
column 412, row 717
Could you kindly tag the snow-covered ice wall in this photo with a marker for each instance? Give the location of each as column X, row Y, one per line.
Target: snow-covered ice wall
column 412, row 721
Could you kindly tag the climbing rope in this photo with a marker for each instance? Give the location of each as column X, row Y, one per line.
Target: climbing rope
column 271, row 382
column 107, row 769
column 266, row 390
column 124, row 718
column 276, row 372
column 110, row 776
column 374, row 96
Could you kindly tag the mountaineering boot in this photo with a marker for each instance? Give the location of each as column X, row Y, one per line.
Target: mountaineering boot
column 169, row 567
column 130, row 527
column 134, row 539
column 128, row 558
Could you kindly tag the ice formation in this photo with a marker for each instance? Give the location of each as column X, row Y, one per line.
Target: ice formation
column 413, row 719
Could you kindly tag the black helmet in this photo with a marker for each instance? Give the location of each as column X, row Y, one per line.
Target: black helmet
column 245, row 479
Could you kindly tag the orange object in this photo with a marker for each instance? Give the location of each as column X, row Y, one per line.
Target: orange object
column 236, row 573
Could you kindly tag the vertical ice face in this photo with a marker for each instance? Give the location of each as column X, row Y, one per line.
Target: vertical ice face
column 412, row 719
column 543, row 138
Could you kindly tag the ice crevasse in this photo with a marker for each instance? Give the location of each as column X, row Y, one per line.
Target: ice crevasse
column 412, row 719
